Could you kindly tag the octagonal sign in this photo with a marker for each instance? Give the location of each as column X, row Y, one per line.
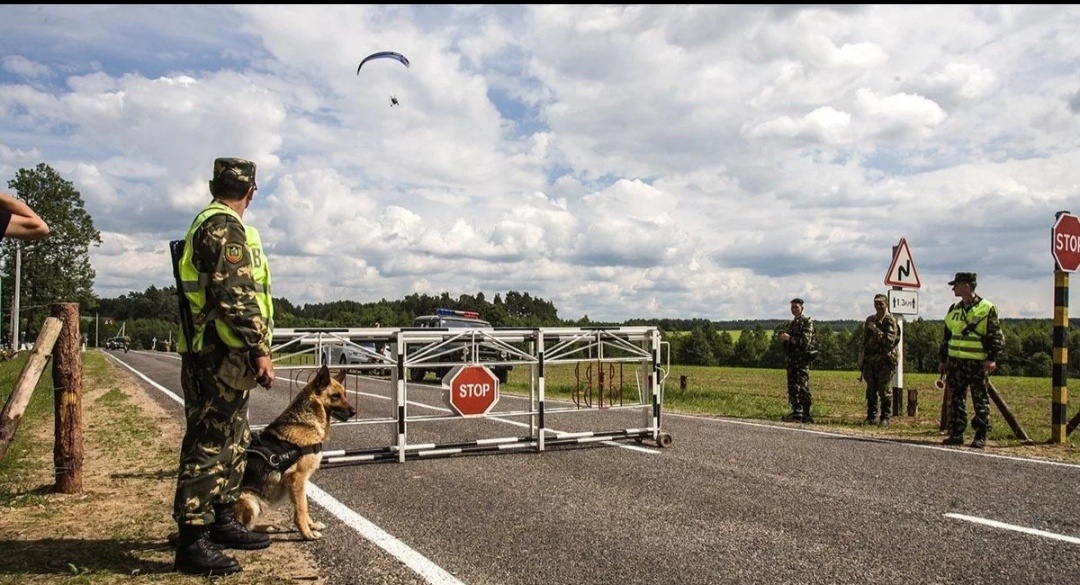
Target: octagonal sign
column 1066, row 242
column 474, row 390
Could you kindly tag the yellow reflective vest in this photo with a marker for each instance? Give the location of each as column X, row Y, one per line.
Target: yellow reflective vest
column 195, row 284
column 967, row 329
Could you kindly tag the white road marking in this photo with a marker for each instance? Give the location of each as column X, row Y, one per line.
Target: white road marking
column 1013, row 527
column 428, row 570
column 431, row 572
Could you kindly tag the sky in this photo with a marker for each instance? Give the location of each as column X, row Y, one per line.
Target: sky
column 619, row 161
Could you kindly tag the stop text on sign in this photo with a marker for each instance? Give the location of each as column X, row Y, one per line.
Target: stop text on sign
column 1067, row 243
column 474, row 390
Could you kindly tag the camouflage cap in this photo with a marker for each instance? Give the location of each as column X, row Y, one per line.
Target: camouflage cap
column 240, row 169
column 968, row 277
column 796, row 301
column 881, row 297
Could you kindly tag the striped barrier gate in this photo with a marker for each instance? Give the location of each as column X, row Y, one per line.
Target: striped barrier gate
column 622, row 369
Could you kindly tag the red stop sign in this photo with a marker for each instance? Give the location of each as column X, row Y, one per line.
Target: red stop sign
column 1066, row 242
column 473, row 390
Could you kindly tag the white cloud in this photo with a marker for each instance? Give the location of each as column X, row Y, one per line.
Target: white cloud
column 619, row 161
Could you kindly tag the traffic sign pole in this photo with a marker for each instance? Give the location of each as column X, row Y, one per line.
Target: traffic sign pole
column 1066, row 231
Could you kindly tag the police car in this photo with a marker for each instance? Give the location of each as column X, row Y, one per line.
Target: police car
column 453, row 319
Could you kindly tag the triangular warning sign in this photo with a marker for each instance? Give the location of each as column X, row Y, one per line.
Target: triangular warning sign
column 902, row 270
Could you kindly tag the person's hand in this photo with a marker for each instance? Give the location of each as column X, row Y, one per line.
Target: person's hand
column 989, row 366
column 264, row 371
column 941, row 368
column 784, row 337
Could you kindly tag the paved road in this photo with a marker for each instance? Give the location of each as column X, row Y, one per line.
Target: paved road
column 729, row 502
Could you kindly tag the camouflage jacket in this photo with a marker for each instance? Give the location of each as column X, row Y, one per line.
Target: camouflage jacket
column 800, row 344
column 232, row 289
column 879, row 339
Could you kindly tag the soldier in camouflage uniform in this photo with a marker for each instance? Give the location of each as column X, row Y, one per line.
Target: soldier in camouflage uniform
column 968, row 355
column 798, row 342
column 877, row 360
column 226, row 286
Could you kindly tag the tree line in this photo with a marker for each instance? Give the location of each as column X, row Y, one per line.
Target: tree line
column 57, row 269
column 744, row 343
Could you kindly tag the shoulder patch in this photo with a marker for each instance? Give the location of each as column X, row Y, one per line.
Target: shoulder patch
column 234, row 252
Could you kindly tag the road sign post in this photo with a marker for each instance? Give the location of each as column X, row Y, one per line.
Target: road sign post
column 474, row 390
column 1065, row 246
column 902, row 275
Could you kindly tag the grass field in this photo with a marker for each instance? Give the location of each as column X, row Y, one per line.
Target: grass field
column 839, row 398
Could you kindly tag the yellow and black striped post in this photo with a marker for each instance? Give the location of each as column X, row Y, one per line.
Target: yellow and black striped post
column 1058, row 432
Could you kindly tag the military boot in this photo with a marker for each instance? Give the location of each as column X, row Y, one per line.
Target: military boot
column 806, row 414
column 228, row 532
column 980, row 439
column 954, row 439
column 796, row 414
column 196, row 554
column 871, row 416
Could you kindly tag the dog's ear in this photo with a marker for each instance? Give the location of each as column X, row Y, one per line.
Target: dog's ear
column 340, row 377
column 322, row 380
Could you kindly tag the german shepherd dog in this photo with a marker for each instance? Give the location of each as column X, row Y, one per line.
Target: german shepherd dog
column 303, row 427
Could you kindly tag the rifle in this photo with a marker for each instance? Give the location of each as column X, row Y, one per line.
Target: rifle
column 187, row 324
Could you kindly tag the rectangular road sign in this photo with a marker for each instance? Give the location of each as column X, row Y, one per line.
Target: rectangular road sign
column 903, row 302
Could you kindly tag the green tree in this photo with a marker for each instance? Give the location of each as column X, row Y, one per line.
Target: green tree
column 697, row 350
column 751, row 346
column 56, row 269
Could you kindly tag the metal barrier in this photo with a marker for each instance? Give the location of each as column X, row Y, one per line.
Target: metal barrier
column 624, row 404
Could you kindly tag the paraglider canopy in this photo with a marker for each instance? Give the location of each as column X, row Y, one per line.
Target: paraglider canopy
column 384, row 55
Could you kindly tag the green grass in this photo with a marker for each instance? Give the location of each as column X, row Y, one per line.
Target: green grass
column 24, row 457
column 839, row 397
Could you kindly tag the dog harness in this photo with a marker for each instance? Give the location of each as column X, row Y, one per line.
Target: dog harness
column 269, row 454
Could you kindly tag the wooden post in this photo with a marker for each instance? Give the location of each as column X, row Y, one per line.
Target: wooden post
column 67, row 406
column 946, row 407
column 1007, row 414
column 28, row 379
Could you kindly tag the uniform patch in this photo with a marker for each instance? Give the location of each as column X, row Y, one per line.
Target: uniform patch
column 234, row 252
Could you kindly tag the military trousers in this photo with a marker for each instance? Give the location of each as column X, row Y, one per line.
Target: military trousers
column 212, row 455
column 878, row 375
column 963, row 376
column 798, row 383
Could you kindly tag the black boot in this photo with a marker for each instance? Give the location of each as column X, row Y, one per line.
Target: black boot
column 796, row 414
column 806, row 413
column 954, row 439
column 871, row 416
column 980, row 439
column 228, row 532
column 196, row 554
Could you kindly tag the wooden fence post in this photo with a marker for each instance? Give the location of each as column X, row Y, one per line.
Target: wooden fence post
column 28, row 379
column 67, row 405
